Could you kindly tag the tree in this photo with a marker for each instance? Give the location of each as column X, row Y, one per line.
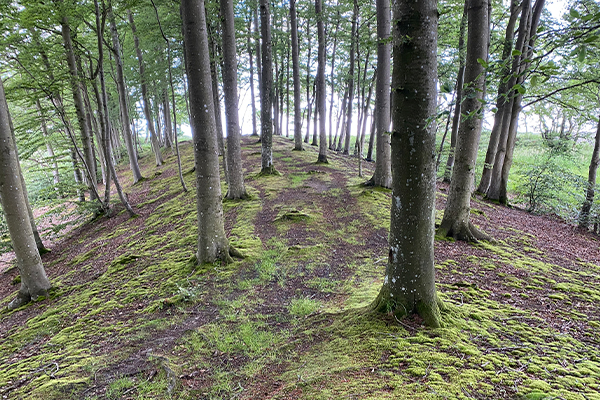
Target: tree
column 236, row 188
column 34, row 282
column 409, row 284
column 212, row 242
column 383, row 173
column 145, row 96
column 456, row 222
column 124, row 110
column 296, row 78
column 584, row 215
column 266, row 90
column 320, row 95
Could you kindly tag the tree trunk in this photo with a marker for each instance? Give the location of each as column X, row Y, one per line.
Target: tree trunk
column 266, row 106
column 321, row 87
column 372, row 136
column 459, row 96
column 350, row 103
column 103, row 106
column 501, row 101
column 584, row 215
column 145, row 98
column 86, row 136
column 456, row 222
column 34, row 282
column 409, row 284
column 514, row 123
column 236, row 188
column 308, row 71
column 251, row 67
column 212, row 243
column 332, row 77
column 166, row 109
column 383, row 173
column 296, row 78
column 493, row 192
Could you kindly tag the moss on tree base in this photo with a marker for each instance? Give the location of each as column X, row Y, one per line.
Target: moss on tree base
column 429, row 311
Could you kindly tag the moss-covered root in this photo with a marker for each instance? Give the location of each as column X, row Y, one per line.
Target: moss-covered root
column 465, row 231
column 269, row 171
column 233, row 252
column 402, row 306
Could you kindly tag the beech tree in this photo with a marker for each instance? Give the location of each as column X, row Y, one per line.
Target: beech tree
column 296, row 78
column 584, row 215
column 456, row 221
column 235, row 181
column 34, row 282
column 212, row 242
column 383, row 173
column 409, row 284
column 266, row 90
column 320, row 89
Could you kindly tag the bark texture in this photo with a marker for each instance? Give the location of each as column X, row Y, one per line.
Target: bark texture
column 34, row 282
column 456, row 222
column 296, row 78
column 584, row 215
column 212, row 242
column 383, row 173
column 266, row 91
column 409, row 284
column 121, row 89
column 236, row 188
column 321, row 106
column 145, row 96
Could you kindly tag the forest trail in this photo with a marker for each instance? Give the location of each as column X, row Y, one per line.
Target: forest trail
column 132, row 318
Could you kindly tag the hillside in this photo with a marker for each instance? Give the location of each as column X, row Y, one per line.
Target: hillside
column 132, row 318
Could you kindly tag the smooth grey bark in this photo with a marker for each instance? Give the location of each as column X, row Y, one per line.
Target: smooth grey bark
column 459, row 96
column 383, row 173
column 493, row 192
column 353, row 44
column 501, row 100
column 103, row 105
column 266, row 94
column 514, row 122
column 168, row 125
column 145, row 98
column 308, row 72
column 34, row 282
column 456, row 221
column 321, row 87
column 212, row 243
column 372, row 136
column 296, row 78
column 123, row 106
column 409, row 283
column 84, row 124
column 257, row 39
column 584, row 215
column 236, row 188
column 332, row 77
column 251, row 68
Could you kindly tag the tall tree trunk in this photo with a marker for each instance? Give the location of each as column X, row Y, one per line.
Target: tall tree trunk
column 514, row 123
column 584, row 215
column 494, row 188
column 372, row 136
column 353, row 44
column 409, row 283
column 308, row 72
column 258, row 41
column 86, row 136
column 166, row 109
column 266, row 106
column 213, row 52
column 296, row 77
column 321, row 87
column 501, row 100
column 145, row 98
column 459, row 95
column 103, row 105
column 383, row 174
column 251, row 68
column 34, row 282
column 332, row 77
column 340, row 126
column 212, row 243
column 456, row 221
column 236, row 188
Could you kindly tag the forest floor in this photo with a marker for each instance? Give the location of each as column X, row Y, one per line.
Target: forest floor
column 130, row 317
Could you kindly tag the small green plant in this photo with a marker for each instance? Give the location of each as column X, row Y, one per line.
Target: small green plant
column 118, row 388
column 303, row 306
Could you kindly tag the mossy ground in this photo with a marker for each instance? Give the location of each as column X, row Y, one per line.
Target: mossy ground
column 131, row 317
